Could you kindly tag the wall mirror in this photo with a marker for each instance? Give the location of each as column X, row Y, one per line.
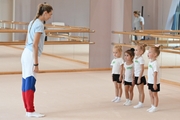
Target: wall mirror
column 55, row 56
column 159, row 16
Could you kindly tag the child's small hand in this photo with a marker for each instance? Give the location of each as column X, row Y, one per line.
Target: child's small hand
column 120, row 80
column 155, row 87
column 139, row 81
column 133, row 82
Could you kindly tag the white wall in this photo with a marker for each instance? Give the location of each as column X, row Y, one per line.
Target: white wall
column 100, row 21
column 163, row 11
column 172, row 8
column 71, row 12
column 6, row 13
column 166, row 10
column 116, row 18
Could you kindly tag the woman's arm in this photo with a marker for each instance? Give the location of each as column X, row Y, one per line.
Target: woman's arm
column 26, row 39
column 142, row 26
column 35, row 49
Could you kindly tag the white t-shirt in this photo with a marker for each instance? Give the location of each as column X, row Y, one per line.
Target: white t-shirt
column 37, row 26
column 153, row 67
column 116, row 63
column 137, row 65
column 129, row 71
column 137, row 21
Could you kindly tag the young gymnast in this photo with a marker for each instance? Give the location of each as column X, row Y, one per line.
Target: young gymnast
column 117, row 67
column 153, row 77
column 140, row 79
column 128, row 75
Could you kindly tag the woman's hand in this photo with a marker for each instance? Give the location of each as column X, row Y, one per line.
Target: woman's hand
column 36, row 69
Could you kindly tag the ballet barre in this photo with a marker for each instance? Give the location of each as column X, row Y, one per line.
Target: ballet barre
column 163, row 48
column 48, row 42
column 147, row 34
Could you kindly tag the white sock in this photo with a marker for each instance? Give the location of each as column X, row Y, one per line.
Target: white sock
column 116, row 98
column 140, row 103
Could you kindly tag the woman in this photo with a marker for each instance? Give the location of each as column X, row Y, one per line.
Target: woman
column 29, row 59
column 138, row 23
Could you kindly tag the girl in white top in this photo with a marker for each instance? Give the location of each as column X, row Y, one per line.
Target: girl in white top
column 153, row 77
column 117, row 67
column 140, row 79
column 128, row 75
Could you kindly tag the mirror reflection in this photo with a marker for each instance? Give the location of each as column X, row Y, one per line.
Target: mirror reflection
column 57, row 49
column 160, row 16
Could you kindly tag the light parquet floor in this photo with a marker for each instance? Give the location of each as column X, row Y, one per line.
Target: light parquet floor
column 78, row 95
column 82, row 96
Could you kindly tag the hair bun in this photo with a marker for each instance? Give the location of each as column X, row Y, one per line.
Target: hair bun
column 132, row 49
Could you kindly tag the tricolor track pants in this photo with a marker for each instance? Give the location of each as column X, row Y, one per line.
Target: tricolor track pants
column 28, row 80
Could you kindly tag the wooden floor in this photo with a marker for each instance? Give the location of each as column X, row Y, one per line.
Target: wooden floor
column 54, row 57
column 83, row 96
column 63, row 57
column 80, row 95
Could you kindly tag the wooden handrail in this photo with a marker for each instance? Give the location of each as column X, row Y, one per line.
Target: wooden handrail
column 12, row 31
column 56, row 28
column 47, row 31
column 79, row 38
column 49, row 42
column 162, row 50
column 158, row 41
column 66, row 27
column 146, row 34
column 157, row 31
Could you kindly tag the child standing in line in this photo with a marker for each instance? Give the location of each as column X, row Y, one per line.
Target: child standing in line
column 153, row 77
column 140, row 79
column 128, row 75
column 117, row 67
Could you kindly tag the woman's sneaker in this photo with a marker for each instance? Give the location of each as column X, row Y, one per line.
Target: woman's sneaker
column 34, row 114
